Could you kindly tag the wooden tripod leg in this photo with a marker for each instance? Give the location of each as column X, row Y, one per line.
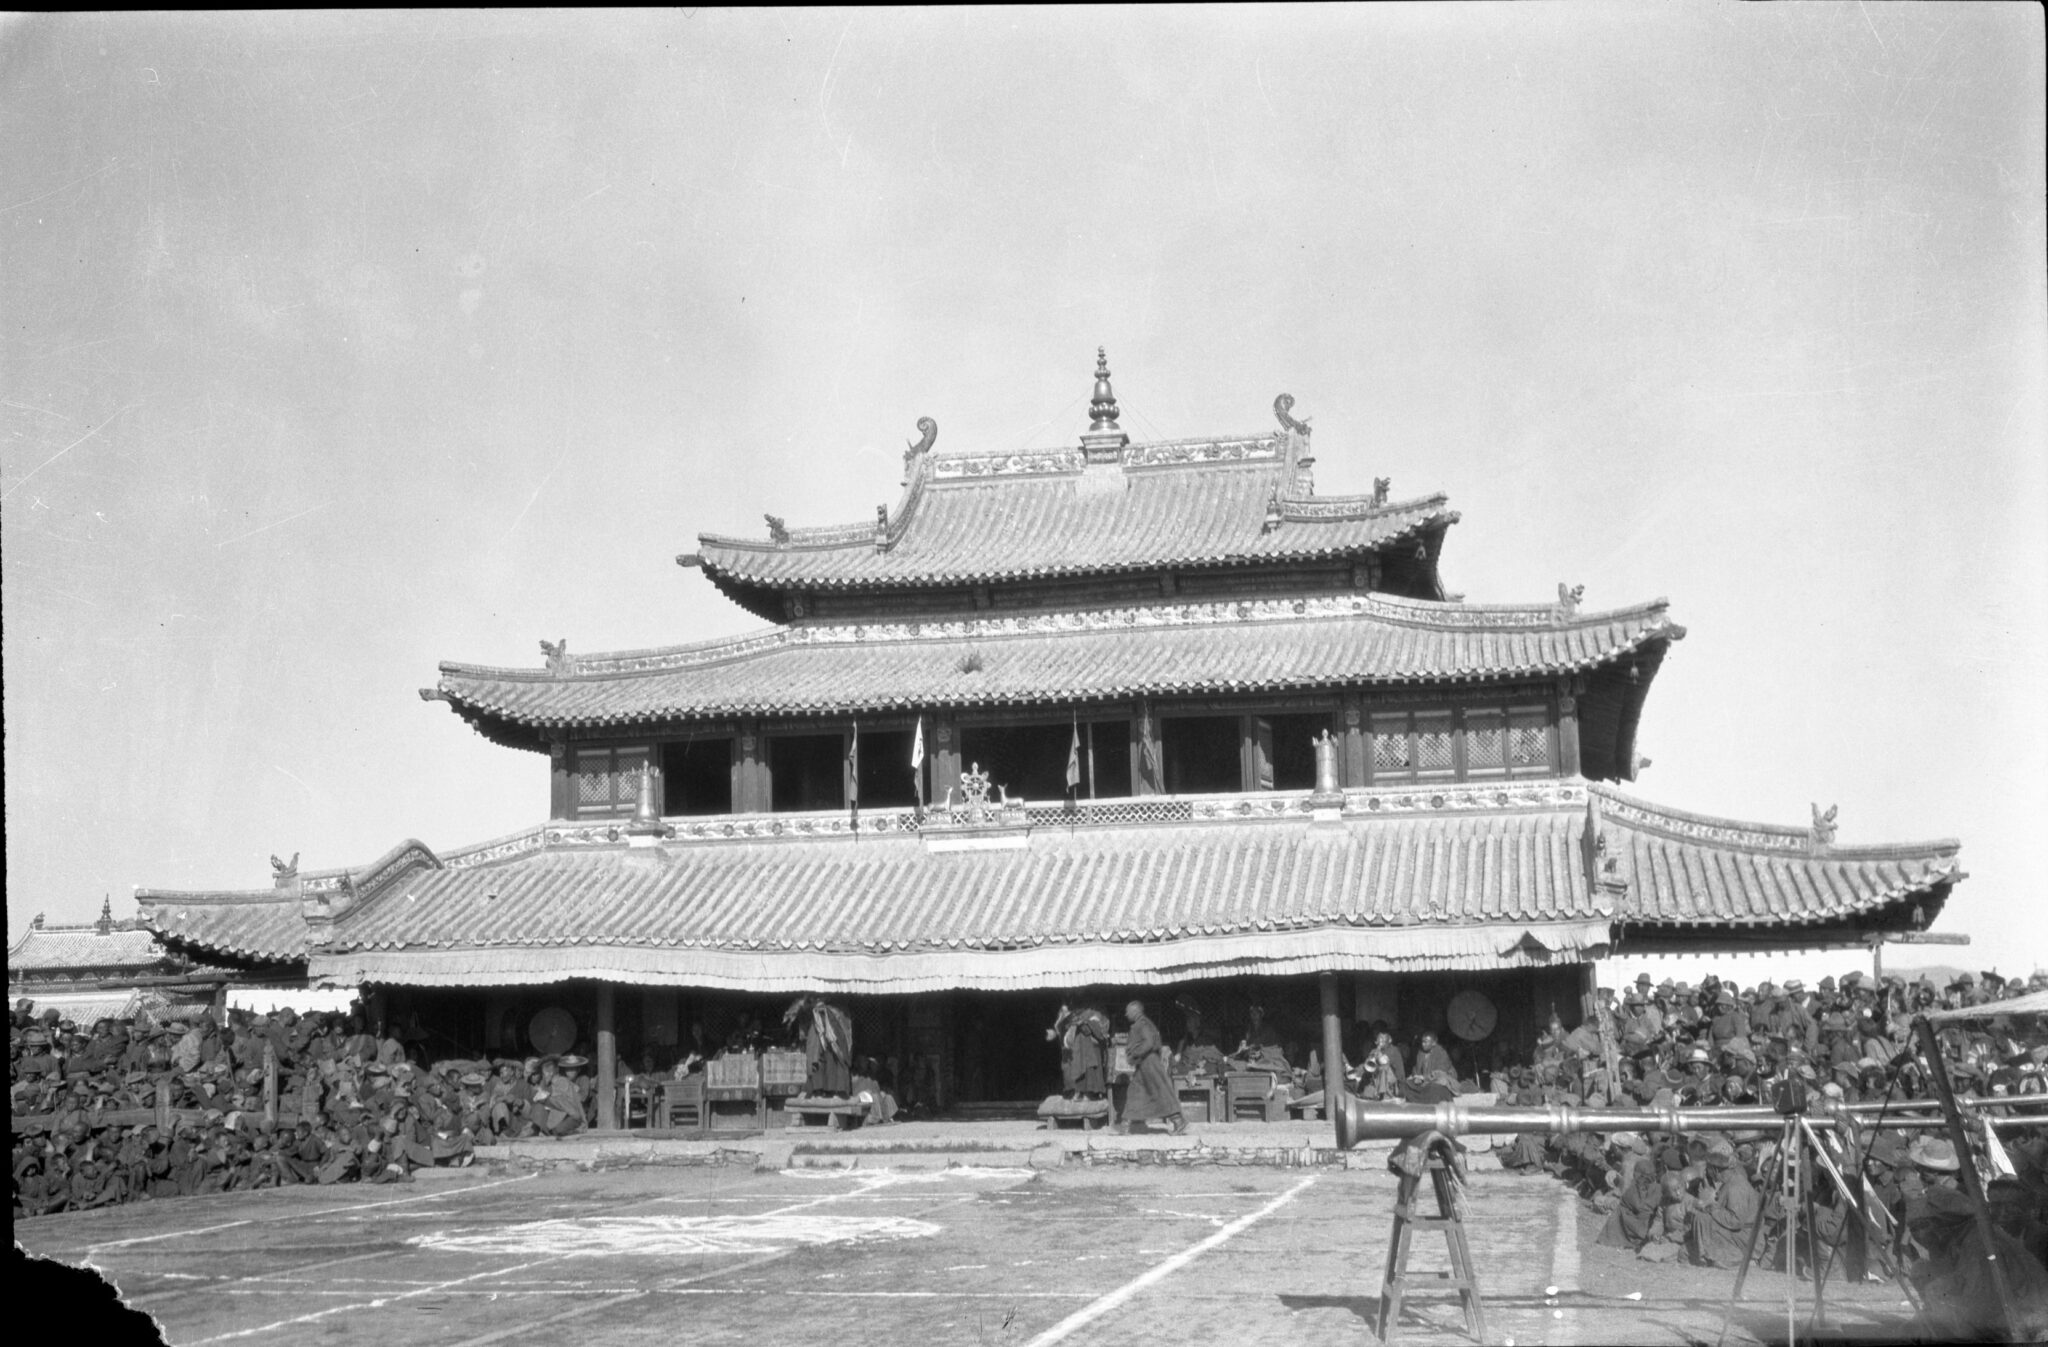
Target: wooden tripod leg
column 1397, row 1260
column 1461, row 1254
column 1756, row 1229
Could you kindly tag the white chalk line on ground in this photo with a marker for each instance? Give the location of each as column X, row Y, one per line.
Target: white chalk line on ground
column 377, row 1304
column 92, row 1249
column 1564, row 1266
column 1089, row 1313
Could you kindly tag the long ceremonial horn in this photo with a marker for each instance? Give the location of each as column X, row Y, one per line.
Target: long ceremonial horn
column 1365, row 1120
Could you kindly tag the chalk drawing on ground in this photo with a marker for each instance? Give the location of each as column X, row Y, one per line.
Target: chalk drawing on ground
column 670, row 1236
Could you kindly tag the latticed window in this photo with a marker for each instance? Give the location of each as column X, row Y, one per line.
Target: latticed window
column 1477, row 741
column 1529, row 740
column 1433, row 743
column 1486, row 734
column 608, row 780
column 1391, row 755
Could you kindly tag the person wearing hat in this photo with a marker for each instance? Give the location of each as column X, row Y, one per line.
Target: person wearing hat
column 827, row 1034
column 1730, row 1021
column 1083, row 1036
column 1638, row 1193
column 1717, row 1233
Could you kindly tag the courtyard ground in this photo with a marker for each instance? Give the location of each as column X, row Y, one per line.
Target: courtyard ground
column 914, row 1251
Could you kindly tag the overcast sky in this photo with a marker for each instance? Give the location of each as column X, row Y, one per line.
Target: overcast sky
column 336, row 346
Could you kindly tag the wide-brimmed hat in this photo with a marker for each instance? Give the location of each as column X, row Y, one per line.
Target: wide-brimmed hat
column 1930, row 1152
column 572, row 1060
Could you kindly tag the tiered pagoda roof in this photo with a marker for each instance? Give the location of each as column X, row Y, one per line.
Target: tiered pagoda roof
column 1150, row 890
column 1180, row 505
column 1060, row 658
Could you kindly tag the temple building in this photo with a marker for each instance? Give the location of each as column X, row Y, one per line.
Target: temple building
column 1100, row 720
column 108, row 968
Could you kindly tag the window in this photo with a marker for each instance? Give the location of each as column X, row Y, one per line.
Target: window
column 608, row 780
column 696, row 777
column 1474, row 743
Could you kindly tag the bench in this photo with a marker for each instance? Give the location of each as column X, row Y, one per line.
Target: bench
column 829, row 1111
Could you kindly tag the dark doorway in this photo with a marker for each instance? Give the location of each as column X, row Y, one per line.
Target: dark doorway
column 1294, row 750
column 696, row 777
column 806, row 771
column 885, row 775
column 1002, row 1048
column 1027, row 761
column 1202, row 754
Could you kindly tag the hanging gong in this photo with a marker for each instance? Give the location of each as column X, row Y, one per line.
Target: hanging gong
column 1471, row 1016
column 552, row 1032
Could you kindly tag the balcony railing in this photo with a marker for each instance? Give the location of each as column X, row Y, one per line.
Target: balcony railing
column 1124, row 812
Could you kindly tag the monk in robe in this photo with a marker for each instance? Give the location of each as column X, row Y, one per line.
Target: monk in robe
column 828, row 1044
column 1084, row 1051
column 1634, row 1218
column 1151, row 1094
column 1718, row 1230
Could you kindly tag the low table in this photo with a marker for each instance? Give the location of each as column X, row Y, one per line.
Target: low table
column 830, row 1111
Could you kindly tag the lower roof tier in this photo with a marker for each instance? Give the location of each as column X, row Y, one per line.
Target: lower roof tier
column 1133, row 892
column 1058, row 659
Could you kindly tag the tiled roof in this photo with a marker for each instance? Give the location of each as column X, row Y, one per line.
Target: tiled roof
column 1455, row 876
column 887, row 913
column 969, row 518
column 59, row 947
column 263, row 925
column 1157, row 650
column 1684, row 869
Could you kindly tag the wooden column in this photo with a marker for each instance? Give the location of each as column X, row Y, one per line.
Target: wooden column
column 561, row 787
column 750, row 771
column 607, row 1061
column 944, row 753
column 1144, row 741
column 1589, row 995
column 1568, row 730
column 1351, row 723
column 270, row 1085
column 1333, row 1047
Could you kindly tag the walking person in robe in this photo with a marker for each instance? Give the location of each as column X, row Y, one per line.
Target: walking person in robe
column 1151, row 1093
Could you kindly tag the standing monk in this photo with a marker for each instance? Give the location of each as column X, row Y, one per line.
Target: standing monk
column 1083, row 1036
column 828, row 1044
column 1152, row 1094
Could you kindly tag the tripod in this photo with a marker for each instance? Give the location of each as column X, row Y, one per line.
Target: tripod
column 1800, row 1147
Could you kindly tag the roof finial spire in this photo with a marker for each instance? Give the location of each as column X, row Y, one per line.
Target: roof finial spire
column 1102, row 409
column 105, row 925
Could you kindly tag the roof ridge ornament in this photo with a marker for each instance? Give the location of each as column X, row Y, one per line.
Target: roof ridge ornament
column 928, row 429
column 1823, row 830
column 1283, row 405
column 1568, row 597
column 105, row 925
column 1105, row 440
column 1102, row 408
column 560, row 662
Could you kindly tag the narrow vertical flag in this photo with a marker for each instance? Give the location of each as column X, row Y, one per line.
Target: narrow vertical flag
column 853, row 774
column 1074, row 760
column 917, row 765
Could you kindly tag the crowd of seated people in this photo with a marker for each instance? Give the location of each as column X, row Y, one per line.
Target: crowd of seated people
column 1710, row 1198
column 128, row 1110
column 350, row 1106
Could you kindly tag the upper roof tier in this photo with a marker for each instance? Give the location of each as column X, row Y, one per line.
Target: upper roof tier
column 1060, row 658
column 1104, row 507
